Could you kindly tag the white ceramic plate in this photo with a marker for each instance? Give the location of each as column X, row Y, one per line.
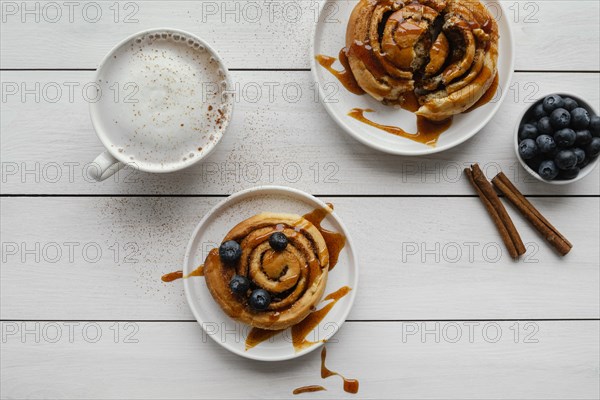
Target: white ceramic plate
column 209, row 233
column 329, row 37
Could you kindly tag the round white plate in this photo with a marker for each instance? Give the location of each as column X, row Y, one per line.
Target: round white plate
column 208, row 235
column 329, row 37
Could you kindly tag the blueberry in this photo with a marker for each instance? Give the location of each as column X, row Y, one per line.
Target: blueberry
column 539, row 112
column 560, row 118
column 565, row 159
column 528, row 149
column 565, row 137
column 259, row 299
column 545, row 143
column 593, row 149
column 535, row 162
column 239, row 284
column 278, row 241
column 580, row 118
column 548, row 170
column 583, row 137
column 584, row 163
column 230, row 252
column 580, row 154
column 552, row 154
column 569, row 174
column 595, row 125
column 528, row 131
column 553, row 102
column 544, row 126
column 570, row 104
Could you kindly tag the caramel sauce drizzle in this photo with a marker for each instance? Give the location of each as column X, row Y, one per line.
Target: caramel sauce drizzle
column 257, row 335
column 335, row 241
column 350, row 385
column 428, row 132
column 301, row 330
column 173, row 276
column 410, row 103
column 487, row 96
column 345, row 75
column 308, row 389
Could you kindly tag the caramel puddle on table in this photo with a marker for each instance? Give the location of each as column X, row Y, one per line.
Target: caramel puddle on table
column 350, row 385
column 428, row 132
column 335, row 241
column 345, row 75
column 487, row 96
column 302, row 328
column 307, row 389
column 173, row 276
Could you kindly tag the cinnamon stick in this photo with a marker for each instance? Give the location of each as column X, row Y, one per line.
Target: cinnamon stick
column 541, row 224
column 496, row 210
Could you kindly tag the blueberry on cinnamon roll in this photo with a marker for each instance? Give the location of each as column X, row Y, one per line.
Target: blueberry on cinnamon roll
column 285, row 260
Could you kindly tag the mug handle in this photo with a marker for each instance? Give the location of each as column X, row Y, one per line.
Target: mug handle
column 107, row 166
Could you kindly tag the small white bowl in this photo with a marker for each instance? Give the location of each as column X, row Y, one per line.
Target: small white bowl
column 584, row 171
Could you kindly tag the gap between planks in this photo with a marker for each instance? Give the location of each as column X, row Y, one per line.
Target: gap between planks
column 348, row 320
column 209, row 195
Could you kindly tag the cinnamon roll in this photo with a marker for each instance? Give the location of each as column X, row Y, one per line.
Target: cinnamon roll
column 443, row 51
column 270, row 271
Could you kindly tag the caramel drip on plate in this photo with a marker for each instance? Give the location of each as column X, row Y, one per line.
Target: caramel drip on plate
column 487, row 96
column 308, row 389
column 428, row 132
column 345, row 75
column 335, row 241
column 173, row 276
column 350, row 385
column 302, row 328
column 257, row 335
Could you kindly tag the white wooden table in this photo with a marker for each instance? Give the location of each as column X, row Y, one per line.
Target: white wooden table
column 85, row 314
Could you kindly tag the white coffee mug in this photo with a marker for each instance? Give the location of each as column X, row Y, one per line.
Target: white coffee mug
column 161, row 103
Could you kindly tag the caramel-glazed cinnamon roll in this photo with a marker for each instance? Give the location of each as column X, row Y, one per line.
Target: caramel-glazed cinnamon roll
column 270, row 271
column 445, row 51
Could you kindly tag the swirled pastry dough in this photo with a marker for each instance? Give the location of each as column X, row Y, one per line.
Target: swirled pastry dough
column 445, row 51
column 295, row 277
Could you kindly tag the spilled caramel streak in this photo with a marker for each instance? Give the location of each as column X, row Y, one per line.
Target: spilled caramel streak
column 350, row 385
column 308, row 389
column 173, row 276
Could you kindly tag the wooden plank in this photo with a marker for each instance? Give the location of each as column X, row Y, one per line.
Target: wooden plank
column 48, row 147
column 557, row 360
column 268, row 34
column 419, row 258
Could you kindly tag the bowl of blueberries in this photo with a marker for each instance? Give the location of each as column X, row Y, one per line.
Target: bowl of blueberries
column 557, row 139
